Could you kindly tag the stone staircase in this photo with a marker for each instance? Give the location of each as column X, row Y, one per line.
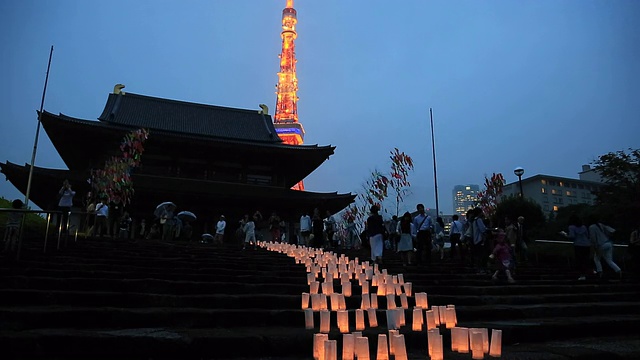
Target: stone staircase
column 100, row 299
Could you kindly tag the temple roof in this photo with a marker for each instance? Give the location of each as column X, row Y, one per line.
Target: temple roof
column 140, row 111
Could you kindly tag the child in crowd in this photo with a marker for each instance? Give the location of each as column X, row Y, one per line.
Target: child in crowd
column 502, row 255
column 125, row 225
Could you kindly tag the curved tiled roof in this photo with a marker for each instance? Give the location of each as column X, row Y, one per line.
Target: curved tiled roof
column 189, row 118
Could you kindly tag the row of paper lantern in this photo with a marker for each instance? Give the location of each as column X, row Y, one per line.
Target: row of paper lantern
column 463, row 340
column 356, row 346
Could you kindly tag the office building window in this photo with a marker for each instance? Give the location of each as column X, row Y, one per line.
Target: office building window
column 544, row 191
column 555, row 208
column 543, row 182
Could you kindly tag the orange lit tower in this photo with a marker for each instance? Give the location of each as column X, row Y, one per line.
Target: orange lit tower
column 286, row 116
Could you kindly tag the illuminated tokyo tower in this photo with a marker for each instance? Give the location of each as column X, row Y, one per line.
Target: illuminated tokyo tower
column 286, row 116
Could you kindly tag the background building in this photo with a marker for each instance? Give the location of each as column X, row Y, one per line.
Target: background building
column 464, row 198
column 554, row 192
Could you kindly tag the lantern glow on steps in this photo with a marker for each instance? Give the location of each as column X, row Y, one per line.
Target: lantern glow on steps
column 325, row 321
column 421, row 300
column 495, row 350
column 348, row 346
column 305, row 300
column 362, row 348
column 417, row 319
column 373, row 317
column 308, row 318
column 343, row 321
column 383, row 352
column 318, row 345
column 330, row 350
column 360, row 319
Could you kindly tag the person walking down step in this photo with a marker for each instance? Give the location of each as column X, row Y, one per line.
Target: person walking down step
column 502, row 256
column 600, row 236
column 579, row 234
column 375, row 230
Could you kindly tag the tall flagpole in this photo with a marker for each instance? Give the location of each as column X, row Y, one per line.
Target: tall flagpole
column 435, row 174
column 35, row 142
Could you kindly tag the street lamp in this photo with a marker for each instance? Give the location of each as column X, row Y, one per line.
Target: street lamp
column 519, row 171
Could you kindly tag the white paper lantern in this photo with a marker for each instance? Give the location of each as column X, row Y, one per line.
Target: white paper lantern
column 305, row 300
column 462, row 345
column 495, row 350
column 430, row 317
column 343, row 321
column 374, row 301
column 437, row 352
column 308, row 318
column 346, row 289
column 316, row 302
column 330, row 350
column 383, row 351
column 391, row 301
column 399, row 348
column 373, row 317
column 360, row 319
column 362, row 348
column 392, row 333
column 318, row 345
column 450, row 317
column 404, row 303
column 417, row 319
column 431, row 339
column 421, row 300
column 408, row 288
column 477, row 351
column 314, row 287
column 348, row 346
column 325, row 321
column 365, row 287
column 365, row 303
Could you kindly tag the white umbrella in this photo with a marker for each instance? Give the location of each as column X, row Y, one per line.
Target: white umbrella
column 160, row 208
column 187, row 216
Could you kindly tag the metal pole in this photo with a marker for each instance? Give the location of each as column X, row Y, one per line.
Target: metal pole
column 520, row 183
column 435, row 176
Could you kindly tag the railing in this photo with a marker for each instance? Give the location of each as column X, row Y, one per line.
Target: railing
column 569, row 258
column 48, row 213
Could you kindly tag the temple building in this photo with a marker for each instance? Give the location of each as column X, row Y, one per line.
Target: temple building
column 207, row 159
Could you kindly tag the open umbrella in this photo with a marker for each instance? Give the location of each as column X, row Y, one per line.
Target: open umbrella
column 207, row 238
column 160, row 208
column 186, row 216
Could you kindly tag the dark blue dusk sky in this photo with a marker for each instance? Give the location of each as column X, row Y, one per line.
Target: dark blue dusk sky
column 548, row 85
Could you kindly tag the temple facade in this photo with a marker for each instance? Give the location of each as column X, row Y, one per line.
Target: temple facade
column 207, row 159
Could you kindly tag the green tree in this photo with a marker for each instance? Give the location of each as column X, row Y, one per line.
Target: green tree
column 514, row 206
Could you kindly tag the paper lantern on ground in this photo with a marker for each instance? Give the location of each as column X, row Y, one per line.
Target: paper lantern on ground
column 400, row 279
column 437, row 353
column 398, row 289
column 374, row 301
column 382, row 289
column 455, row 317
column 314, row 287
column 400, row 317
column 361, row 278
column 334, row 302
column 359, row 319
column 342, row 303
column 441, row 313
column 421, row 300
column 408, row 288
column 316, row 302
column 305, row 300
column 373, row 317
column 318, row 345
column 431, row 339
column 308, row 318
column 477, row 351
column 330, row 350
column 323, row 302
column 343, row 321
column 325, row 321
column 327, row 288
column 311, row 278
column 391, row 301
column 362, row 348
column 356, row 334
column 485, row 340
column 365, row 288
column 450, row 317
column 436, row 315
column 462, row 343
column 399, row 348
column 345, row 277
column 495, row 350
column 366, row 302
column 404, row 303
column 392, row 319
column 369, row 273
column 346, row 289
column 392, row 333
column 348, row 346
column 430, row 319
column 383, row 351
column 417, row 319
column 375, row 281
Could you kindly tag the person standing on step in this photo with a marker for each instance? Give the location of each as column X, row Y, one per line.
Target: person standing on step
column 274, row 227
column 220, row 226
column 600, row 235
column 305, row 229
column 406, row 230
column 249, row 229
column 579, row 235
column 317, row 229
column 423, row 225
column 375, row 231
column 65, row 194
column 102, row 212
column 455, row 238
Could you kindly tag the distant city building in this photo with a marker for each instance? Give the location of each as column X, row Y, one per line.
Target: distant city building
column 465, row 197
column 554, row 192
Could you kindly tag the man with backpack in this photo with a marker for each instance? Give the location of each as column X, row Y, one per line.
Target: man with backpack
column 422, row 225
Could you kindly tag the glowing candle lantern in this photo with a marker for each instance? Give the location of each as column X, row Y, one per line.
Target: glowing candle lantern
column 391, row 301
column 450, row 317
column 316, row 302
column 327, row 288
column 374, row 280
column 430, row 317
column 374, row 301
column 421, row 300
column 318, row 345
column 335, row 306
column 361, row 278
column 462, row 345
column 431, row 339
column 348, row 346
column 437, row 352
column 383, row 351
column 400, row 317
column 345, row 277
column 308, row 318
column 314, row 287
column 336, row 274
column 417, row 319
column 325, row 321
column 436, row 315
column 408, row 288
column 392, row 333
column 485, row 340
column 400, row 279
column 342, row 303
column 373, row 317
column 404, row 303
column 359, row 319
column 324, row 273
column 305, row 300
column 495, row 350
column 381, row 289
column 346, row 289
column 441, row 314
column 366, row 302
column 395, row 279
column 330, row 350
column 399, row 347
column 356, row 334
column 455, row 334
column 311, row 278
column 362, row 348
column 369, row 273
column 455, row 317
column 365, row 287
column 398, row 288
column 477, row 351
column 343, row 321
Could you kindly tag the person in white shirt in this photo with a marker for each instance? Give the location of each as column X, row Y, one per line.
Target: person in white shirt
column 220, row 226
column 249, row 232
column 102, row 212
column 455, row 234
column 305, row 229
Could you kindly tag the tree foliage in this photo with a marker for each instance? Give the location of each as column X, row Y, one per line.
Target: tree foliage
column 489, row 197
column 401, row 165
column 514, row 206
column 114, row 180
